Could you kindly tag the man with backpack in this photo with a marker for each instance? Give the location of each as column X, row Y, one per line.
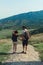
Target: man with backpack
column 25, row 37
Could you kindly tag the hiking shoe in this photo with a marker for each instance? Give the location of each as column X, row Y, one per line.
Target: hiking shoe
column 22, row 52
column 14, row 52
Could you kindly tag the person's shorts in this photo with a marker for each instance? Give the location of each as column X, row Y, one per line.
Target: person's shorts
column 15, row 43
column 25, row 42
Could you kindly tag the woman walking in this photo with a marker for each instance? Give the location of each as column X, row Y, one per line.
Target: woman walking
column 14, row 39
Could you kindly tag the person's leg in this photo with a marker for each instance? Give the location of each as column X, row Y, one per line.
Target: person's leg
column 26, row 43
column 26, row 46
column 15, row 47
column 23, row 47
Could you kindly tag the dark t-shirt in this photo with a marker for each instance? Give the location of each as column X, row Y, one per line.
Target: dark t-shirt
column 14, row 37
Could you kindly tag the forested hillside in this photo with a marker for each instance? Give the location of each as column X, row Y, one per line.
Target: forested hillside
column 30, row 19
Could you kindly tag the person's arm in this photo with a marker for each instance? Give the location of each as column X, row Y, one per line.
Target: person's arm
column 21, row 37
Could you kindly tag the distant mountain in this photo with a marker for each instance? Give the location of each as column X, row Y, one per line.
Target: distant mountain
column 36, row 31
column 30, row 19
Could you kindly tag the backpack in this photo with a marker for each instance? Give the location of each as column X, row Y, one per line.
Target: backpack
column 26, row 35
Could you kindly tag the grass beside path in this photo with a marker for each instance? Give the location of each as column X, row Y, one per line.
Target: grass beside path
column 5, row 46
column 37, row 42
column 39, row 48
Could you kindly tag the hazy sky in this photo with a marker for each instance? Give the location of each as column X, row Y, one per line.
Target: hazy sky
column 14, row 7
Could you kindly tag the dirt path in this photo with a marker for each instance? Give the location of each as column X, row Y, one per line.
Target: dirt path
column 31, row 55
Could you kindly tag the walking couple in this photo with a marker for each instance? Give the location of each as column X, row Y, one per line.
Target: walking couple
column 24, row 37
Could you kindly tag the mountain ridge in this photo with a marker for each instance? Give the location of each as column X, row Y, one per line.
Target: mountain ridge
column 30, row 19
